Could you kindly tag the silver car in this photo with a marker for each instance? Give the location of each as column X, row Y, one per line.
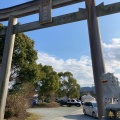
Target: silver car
column 90, row 108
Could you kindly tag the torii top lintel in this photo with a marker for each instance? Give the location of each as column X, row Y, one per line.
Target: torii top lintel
column 31, row 7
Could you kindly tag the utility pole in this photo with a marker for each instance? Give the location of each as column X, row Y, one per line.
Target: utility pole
column 6, row 64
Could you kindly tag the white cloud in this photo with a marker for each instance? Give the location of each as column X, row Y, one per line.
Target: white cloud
column 112, row 56
column 82, row 68
column 112, row 49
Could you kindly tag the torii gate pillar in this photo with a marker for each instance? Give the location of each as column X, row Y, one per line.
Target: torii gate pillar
column 96, row 53
column 6, row 64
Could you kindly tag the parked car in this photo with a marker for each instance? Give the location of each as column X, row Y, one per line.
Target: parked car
column 90, row 108
column 74, row 102
column 70, row 103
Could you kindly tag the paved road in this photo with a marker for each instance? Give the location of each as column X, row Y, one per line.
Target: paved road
column 61, row 113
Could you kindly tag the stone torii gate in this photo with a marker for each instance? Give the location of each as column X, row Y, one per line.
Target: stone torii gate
column 44, row 7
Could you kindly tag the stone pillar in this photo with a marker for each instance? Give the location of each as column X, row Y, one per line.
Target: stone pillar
column 6, row 64
column 96, row 53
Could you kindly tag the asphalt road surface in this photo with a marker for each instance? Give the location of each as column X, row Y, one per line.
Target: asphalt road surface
column 61, row 113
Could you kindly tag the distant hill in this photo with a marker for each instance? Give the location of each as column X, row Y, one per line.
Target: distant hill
column 87, row 89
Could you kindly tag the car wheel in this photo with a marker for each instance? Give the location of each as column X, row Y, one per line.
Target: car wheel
column 94, row 115
column 69, row 105
column 84, row 112
column 78, row 105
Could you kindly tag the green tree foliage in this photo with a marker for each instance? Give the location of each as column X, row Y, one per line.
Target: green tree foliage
column 68, row 85
column 24, row 59
column 49, row 82
column 24, row 67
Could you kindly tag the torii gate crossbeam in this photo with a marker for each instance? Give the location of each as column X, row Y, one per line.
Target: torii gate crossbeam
column 101, row 10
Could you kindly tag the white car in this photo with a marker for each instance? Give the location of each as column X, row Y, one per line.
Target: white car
column 90, row 108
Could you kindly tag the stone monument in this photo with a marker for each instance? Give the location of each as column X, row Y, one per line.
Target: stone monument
column 111, row 87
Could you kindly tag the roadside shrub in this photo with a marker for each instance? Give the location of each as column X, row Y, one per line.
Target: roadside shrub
column 15, row 106
column 8, row 114
column 18, row 102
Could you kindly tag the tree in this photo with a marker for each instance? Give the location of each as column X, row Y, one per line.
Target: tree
column 68, row 85
column 24, row 59
column 49, row 82
column 24, row 67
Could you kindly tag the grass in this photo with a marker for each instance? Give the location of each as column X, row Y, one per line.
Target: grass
column 29, row 116
column 33, row 117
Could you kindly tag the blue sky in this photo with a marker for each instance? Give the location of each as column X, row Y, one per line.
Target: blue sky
column 66, row 47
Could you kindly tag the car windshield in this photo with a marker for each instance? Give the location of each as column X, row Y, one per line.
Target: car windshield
column 94, row 104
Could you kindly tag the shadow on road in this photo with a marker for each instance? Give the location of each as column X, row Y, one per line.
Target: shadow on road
column 79, row 117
